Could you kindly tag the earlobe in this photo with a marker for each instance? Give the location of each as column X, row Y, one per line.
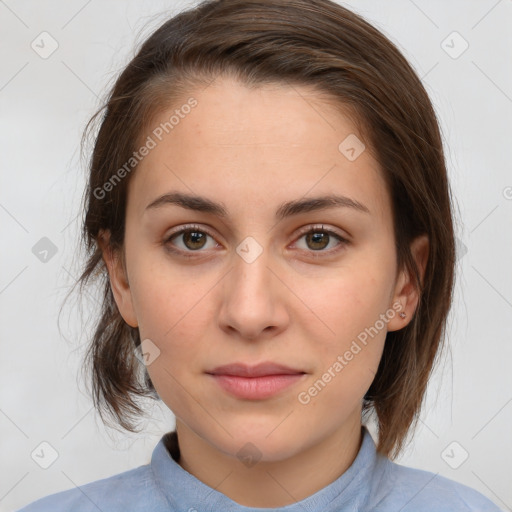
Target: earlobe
column 406, row 293
column 118, row 279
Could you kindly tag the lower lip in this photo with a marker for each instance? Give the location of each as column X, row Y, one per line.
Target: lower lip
column 256, row 388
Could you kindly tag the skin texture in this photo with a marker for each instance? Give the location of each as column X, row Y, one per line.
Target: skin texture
column 252, row 150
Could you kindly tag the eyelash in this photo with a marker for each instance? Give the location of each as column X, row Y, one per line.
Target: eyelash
column 310, row 229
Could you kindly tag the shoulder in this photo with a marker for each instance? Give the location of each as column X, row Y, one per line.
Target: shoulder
column 423, row 491
column 133, row 489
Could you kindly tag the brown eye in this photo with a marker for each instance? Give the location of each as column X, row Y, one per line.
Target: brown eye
column 189, row 239
column 319, row 239
column 194, row 239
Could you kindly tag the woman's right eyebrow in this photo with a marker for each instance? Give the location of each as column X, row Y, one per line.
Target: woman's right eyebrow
column 287, row 209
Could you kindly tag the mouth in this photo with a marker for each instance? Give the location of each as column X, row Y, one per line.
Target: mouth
column 260, row 370
column 255, row 382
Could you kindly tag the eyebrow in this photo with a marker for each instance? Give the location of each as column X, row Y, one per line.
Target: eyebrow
column 287, row 209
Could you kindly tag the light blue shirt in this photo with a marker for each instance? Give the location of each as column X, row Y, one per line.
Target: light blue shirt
column 372, row 483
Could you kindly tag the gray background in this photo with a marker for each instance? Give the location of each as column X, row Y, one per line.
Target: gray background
column 45, row 103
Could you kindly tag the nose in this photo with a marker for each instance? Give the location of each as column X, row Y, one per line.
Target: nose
column 253, row 299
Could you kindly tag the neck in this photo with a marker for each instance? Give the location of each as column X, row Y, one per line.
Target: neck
column 276, row 483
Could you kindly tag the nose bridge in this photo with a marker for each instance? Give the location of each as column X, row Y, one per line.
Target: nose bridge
column 251, row 275
column 250, row 300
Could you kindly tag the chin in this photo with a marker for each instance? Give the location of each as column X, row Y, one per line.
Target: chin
column 268, row 442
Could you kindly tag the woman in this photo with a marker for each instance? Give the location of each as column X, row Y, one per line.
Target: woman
column 269, row 209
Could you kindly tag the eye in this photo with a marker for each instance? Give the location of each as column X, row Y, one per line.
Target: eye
column 193, row 239
column 318, row 238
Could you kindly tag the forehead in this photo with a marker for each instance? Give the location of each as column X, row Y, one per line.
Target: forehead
column 254, row 147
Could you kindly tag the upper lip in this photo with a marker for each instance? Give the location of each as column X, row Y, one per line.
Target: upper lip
column 259, row 370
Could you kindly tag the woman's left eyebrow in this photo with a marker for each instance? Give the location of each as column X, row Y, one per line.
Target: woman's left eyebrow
column 287, row 209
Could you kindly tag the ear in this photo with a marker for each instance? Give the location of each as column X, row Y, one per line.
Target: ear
column 118, row 279
column 406, row 292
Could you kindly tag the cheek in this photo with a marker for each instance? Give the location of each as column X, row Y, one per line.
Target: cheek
column 173, row 316
column 173, row 312
column 349, row 350
column 168, row 298
column 348, row 304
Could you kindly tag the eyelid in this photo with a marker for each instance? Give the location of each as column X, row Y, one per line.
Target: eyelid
column 188, row 227
column 322, row 227
column 302, row 231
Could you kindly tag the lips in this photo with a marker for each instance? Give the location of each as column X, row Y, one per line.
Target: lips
column 259, row 370
column 256, row 382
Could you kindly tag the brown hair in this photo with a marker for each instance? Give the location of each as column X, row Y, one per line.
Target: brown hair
column 314, row 43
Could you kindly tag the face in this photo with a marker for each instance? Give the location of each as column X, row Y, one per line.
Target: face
column 314, row 289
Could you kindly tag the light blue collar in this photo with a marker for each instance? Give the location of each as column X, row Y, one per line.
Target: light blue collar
column 188, row 494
